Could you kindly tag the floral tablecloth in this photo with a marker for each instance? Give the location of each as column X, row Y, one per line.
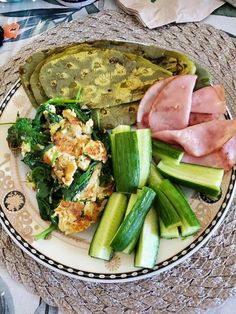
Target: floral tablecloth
column 35, row 17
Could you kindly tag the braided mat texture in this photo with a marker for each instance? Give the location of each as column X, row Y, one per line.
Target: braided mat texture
column 207, row 278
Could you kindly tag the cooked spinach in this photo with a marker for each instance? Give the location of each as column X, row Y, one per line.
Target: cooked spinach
column 23, row 131
column 34, row 135
column 79, row 183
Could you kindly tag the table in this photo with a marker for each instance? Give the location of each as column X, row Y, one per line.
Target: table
column 35, row 17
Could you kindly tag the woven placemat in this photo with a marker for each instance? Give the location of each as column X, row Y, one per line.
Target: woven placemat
column 207, row 278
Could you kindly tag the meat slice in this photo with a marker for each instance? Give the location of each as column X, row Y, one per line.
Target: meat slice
column 200, row 139
column 171, row 108
column 224, row 157
column 209, row 99
column 196, row 118
column 146, row 103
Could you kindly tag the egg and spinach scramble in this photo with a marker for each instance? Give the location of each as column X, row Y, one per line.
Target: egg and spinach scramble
column 69, row 164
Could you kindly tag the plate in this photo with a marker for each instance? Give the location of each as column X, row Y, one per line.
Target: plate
column 69, row 254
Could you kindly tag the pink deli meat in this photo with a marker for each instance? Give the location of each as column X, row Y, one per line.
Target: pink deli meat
column 196, row 118
column 224, row 157
column 171, row 108
column 210, row 99
column 146, row 103
column 200, row 139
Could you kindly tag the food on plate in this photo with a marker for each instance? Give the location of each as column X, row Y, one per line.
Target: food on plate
column 109, row 118
column 135, row 219
column 207, row 138
column 164, row 151
column 170, row 110
column 168, row 62
column 196, row 118
column 79, row 170
column 225, row 157
column 107, row 77
column 131, row 158
column 109, row 224
column 200, row 139
column 68, row 161
column 147, row 101
column 173, row 207
column 210, row 99
column 203, row 77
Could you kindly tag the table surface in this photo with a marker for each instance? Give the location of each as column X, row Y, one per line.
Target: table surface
column 35, row 17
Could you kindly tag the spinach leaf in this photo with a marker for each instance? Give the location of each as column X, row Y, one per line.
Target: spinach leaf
column 32, row 159
column 79, row 183
column 40, row 119
column 48, row 190
column 61, row 104
column 106, row 174
column 23, row 131
column 102, row 136
column 45, row 233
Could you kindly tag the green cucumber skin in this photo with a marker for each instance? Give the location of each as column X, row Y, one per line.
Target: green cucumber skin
column 111, row 219
column 155, row 178
column 145, row 155
column 121, row 128
column 132, row 224
column 180, row 203
column 166, row 151
column 149, row 240
column 166, row 210
column 168, row 233
column 168, row 170
column 125, row 161
column 129, row 249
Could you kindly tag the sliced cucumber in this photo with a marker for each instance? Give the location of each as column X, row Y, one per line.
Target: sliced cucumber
column 132, row 224
column 121, row 128
column 148, row 243
column 133, row 198
column 145, row 155
column 204, row 179
column 109, row 224
column 189, row 221
column 167, row 211
column 186, row 228
column 131, row 157
column 168, row 233
column 125, row 161
column 155, row 178
column 166, row 152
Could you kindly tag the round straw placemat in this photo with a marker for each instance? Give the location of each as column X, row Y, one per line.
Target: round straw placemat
column 202, row 281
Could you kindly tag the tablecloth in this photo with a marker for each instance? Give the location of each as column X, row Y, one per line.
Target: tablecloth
column 34, row 18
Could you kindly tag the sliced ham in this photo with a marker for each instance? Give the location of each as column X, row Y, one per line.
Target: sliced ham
column 224, row 157
column 196, row 118
column 200, row 139
column 171, row 108
column 145, row 104
column 210, row 99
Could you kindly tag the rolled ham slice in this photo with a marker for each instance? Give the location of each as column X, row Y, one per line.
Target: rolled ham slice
column 224, row 157
column 171, row 108
column 196, row 118
column 146, row 103
column 209, row 99
column 200, row 139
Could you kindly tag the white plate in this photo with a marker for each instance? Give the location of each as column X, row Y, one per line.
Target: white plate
column 69, row 254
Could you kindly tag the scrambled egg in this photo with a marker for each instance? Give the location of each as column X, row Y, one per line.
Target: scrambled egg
column 78, row 216
column 72, row 149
